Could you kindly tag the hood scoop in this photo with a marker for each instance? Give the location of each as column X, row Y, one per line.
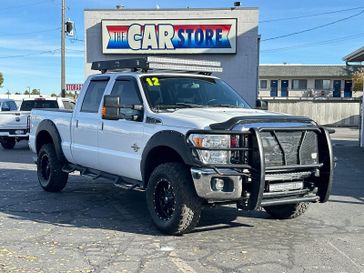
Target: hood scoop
column 263, row 120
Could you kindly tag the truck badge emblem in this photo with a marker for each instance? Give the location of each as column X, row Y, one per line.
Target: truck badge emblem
column 135, row 147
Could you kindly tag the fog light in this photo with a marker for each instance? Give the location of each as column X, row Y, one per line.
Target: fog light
column 19, row 132
column 218, row 184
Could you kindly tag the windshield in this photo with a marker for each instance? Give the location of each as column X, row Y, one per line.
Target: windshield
column 170, row 92
column 28, row 105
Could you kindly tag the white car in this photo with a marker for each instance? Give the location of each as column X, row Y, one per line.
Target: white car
column 14, row 125
column 188, row 139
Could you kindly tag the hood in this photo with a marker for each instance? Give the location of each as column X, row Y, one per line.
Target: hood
column 202, row 118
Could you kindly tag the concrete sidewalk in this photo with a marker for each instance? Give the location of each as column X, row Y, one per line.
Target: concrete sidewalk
column 345, row 136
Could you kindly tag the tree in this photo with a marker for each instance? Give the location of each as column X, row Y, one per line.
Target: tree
column 17, row 93
column 70, row 94
column 26, row 92
column 35, row 92
column 8, row 92
column 358, row 80
column 1, row 79
column 53, row 95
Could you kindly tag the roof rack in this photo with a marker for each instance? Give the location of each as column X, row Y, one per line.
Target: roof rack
column 158, row 63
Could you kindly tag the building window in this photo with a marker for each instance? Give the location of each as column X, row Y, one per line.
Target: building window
column 323, row 84
column 263, row 84
column 299, row 84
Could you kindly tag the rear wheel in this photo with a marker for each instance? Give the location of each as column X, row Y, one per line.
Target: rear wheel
column 288, row 211
column 172, row 201
column 8, row 143
column 49, row 170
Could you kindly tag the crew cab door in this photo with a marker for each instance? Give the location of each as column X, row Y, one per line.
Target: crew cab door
column 121, row 141
column 86, row 124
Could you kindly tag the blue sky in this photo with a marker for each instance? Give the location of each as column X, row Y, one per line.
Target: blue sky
column 30, row 35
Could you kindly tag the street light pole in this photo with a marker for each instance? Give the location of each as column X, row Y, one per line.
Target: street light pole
column 63, row 52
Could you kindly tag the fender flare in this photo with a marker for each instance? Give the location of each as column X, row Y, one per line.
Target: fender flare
column 49, row 127
column 171, row 139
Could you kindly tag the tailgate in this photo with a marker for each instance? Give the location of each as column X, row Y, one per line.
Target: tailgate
column 14, row 120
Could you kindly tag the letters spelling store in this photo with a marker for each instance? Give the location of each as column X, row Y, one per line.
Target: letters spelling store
column 227, row 35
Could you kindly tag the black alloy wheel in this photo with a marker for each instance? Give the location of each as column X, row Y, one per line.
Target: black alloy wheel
column 164, row 200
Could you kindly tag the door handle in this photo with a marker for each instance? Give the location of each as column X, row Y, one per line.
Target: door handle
column 102, row 126
column 76, row 123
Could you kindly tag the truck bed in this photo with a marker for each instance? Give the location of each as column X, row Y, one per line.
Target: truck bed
column 62, row 120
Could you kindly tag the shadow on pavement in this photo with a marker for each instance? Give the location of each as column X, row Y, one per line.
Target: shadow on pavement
column 349, row 173
column 92, row 204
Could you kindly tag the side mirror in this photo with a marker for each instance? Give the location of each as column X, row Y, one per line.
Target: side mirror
column 262, row 105
column 111, row 107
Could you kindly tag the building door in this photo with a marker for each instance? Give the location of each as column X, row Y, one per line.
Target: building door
column 284, row 88
column 337, row 89
column 347, row 89
column 274, row 88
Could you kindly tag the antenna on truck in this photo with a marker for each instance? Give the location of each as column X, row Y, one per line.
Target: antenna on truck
column 146, row 64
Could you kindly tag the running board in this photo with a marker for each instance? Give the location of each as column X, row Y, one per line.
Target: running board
column 118, row 181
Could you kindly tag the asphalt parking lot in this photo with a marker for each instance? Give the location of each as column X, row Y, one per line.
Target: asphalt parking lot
column 94, row 227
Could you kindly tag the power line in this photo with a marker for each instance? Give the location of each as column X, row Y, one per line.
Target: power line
column 33, row 32
column 31, row 54
column 314, row 28
column 308, row 15
column 77, row 40
column 325, row 42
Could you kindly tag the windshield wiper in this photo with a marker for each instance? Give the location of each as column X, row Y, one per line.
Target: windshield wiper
column 224, row 105
column 164, row 107
column 189, row 105
column 178, row 105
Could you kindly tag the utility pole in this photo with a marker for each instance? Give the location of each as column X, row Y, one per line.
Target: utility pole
column 63, row 52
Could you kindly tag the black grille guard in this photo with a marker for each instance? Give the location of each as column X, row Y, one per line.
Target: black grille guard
column 256, row 163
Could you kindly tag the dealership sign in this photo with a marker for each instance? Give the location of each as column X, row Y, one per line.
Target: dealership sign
column 169, row 36
column 73, row 86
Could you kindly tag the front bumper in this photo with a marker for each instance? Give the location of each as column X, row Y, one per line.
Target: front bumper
column 202, row 179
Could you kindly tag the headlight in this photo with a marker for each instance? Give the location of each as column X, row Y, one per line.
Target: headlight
column 215, row 142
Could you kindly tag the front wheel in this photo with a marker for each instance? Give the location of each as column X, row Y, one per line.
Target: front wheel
column 172, row 201
column 49, row 170
column 8, row 143
column 288, row 211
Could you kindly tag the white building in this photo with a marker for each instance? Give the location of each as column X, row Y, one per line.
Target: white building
column 288, row 80
column 227, row 35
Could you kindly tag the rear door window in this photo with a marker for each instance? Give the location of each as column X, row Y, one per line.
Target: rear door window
column 93, row 96
column 28, row 105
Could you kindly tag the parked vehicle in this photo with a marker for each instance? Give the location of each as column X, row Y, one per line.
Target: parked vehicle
column 188, row 139
column 14, row 125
